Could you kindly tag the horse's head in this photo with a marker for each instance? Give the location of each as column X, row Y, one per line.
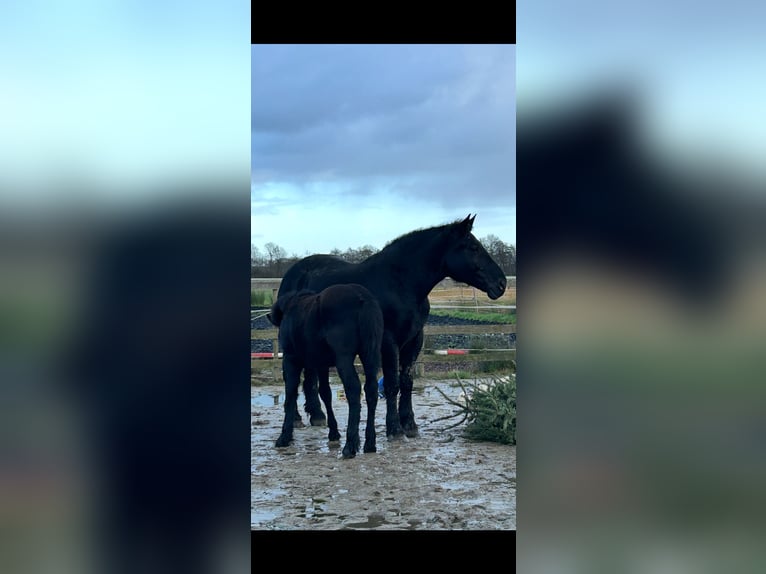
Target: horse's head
column 467, row 261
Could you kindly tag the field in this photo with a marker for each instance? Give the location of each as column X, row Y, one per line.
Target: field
column 449, row 293
column 462, row 318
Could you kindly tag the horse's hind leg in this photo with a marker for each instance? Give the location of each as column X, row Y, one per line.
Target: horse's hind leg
column 407, row 356
column 371, row 397
column 313, row 408
column 353, row 389
column 326, row 394
column 292, row 376
column 390, row 359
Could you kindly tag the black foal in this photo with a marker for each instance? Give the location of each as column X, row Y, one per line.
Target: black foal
column 329, row 329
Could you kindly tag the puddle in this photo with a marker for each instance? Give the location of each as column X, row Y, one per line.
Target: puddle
column 267, row 400
column 373, row 521
column 437, row 480
column 271, row 398
column 261, row 516
column 314, row 509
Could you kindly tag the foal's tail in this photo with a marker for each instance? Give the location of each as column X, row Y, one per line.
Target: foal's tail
column 371, row 335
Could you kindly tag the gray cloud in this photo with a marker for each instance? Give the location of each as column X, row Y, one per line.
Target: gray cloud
column 432, row 122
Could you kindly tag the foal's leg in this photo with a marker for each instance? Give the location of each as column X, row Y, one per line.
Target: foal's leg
column 326, row 394
column 297, row 421
column 312, row 406
column 291, row 372
column 353, row 389
column 407, row 356
column 390, row 358
column 371, row 396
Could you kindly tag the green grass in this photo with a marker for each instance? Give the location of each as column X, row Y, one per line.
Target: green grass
column 488, row 317
column 261, row 297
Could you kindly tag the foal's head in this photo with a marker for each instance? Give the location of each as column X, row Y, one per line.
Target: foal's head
column 276, row 314
column 279, row 308
column 283, row 304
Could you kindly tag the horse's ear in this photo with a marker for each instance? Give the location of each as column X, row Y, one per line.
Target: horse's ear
column 466, row 225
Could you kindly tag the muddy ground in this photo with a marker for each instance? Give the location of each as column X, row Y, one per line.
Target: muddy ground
column 437, row 481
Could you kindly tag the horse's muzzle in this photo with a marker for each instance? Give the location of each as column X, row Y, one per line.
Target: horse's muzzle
column 497, row 289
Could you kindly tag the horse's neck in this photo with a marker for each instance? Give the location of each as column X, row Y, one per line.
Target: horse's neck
column 420, row 270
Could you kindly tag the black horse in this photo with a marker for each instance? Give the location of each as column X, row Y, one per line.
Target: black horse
column 319, row 331
column 401, row 276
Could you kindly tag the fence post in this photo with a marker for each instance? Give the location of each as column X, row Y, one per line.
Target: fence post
column 275, row 342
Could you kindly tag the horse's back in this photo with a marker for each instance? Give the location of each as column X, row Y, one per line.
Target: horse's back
column 313, row 272
column 352, row 319
column 347, row 303
column 347, row 294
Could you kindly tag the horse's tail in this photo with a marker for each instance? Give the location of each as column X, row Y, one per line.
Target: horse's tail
column 370, row 327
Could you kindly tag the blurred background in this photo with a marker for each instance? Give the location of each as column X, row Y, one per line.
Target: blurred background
column 640, row 179
column 125, row 164
column 124, row 224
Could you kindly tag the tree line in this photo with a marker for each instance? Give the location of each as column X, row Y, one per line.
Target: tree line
column 273, row 260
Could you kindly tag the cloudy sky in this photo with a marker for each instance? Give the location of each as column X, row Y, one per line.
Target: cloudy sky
column 697, row 75
column 358, row 144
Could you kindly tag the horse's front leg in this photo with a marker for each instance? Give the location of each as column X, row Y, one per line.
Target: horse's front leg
column 390, row 359
column 291, row 372
column 407, row 357
column 312, row 407
column 326, row 393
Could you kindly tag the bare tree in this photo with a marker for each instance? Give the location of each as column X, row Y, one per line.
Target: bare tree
column 503, row 253
column 256, row 257
column 276, row 256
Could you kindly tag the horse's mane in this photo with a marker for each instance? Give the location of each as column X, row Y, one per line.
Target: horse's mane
column 416, row 238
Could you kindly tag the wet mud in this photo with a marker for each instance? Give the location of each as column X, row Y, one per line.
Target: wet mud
column 436, row 481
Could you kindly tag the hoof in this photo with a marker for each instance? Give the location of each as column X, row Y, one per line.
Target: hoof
column 396, row 435
column 409, row 427
column 348, row 453
column 283, row 441
column 370, row 448
column 318, row 421
column 334, row 436
column 394, row 431
column 298, row 423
